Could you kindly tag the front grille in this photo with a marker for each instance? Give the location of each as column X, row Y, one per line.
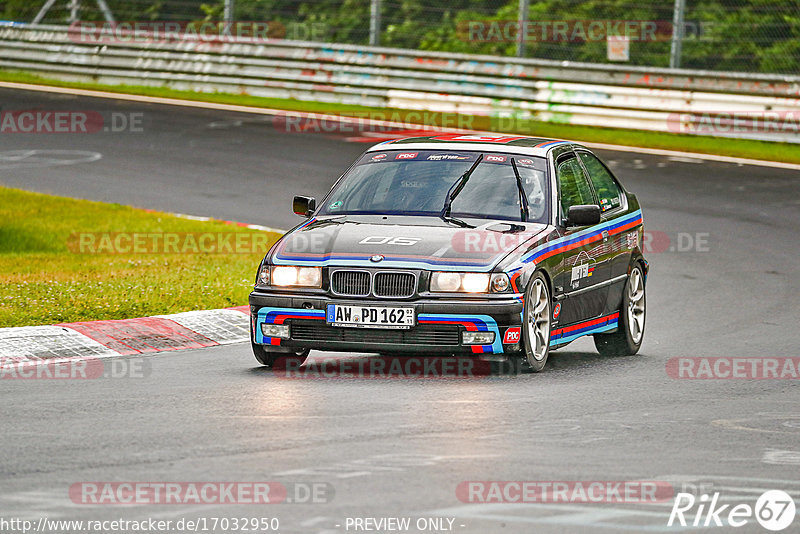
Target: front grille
column 439, row 335
column 394, row 284
column 362, row 283
column 352, row 283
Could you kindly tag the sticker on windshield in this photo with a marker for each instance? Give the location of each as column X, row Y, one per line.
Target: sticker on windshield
column 445, row 157
column 407, row 155
column 495, row 159
column 336, row 205
column 378, row 157
column 525, row 162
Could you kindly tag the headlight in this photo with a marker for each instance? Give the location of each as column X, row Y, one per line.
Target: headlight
column 289, row 275
column 446, row 282
column 499, row 282
column 475, row 282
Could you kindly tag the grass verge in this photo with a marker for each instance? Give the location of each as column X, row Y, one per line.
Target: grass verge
column 763, row 150
column 64, row 260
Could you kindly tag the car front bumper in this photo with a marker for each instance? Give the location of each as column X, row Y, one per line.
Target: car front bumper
column 438, row 330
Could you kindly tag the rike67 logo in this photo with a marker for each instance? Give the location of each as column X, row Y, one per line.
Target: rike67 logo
column 774, row 510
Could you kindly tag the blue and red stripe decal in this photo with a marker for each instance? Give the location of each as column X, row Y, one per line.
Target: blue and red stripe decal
column 473, row 323
column 278, row 316
column 592, row 326
column 583, row 238
column 363, row 260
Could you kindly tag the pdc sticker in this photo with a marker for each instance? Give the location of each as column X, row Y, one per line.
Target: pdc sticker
column 407, row 155
column 512, row 335
column 495, row 159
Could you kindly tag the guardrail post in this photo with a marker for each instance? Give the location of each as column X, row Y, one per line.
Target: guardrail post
column 375, row 23
column 523, row 21
column 677, row 35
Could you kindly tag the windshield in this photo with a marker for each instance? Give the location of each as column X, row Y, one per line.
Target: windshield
column 416, row 183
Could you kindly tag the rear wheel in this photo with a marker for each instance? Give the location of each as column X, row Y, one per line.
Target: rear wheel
column 536, row 325
column 628, row 337
column 268, row 358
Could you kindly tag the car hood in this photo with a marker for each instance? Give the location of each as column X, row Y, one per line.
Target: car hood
column 401, row 242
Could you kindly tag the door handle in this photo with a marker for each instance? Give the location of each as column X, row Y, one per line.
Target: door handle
column 605, row 235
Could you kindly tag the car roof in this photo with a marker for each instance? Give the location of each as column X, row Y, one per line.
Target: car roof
column 529, row 146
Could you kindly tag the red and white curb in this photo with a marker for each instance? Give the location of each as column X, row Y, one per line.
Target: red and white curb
column 125, row 337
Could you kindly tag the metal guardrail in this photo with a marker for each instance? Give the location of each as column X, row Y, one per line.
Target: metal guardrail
column 507, row 89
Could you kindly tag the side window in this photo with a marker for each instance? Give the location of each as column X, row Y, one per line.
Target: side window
column 572, row 184
column 604, row 184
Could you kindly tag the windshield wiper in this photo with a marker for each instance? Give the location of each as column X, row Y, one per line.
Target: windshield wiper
column 523, row 198
column 453, row 192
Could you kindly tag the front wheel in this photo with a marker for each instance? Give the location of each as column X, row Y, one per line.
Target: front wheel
column 628, row 337
column 536, row 326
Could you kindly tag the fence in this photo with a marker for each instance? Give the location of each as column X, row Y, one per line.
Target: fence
column 726, row 35
column 506, row 89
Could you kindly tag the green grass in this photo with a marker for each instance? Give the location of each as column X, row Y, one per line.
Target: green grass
column 45, row 279
column 771, row 151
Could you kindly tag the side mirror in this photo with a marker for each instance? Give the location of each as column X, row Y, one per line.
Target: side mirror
column 304, row 206
column 583, row 215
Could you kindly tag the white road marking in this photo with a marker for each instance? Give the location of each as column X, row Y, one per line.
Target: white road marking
column 681, row 159
column 390, row 124
column 779, row 457
column 35, row 159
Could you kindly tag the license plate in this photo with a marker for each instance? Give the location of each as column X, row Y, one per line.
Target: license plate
column 369, row 316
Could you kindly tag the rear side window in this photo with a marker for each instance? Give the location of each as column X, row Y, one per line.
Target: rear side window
column 572, row 184
column 608, row 192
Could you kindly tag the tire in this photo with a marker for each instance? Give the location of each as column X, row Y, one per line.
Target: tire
column 268, row 358
column 628, row 337
column 536, row 323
